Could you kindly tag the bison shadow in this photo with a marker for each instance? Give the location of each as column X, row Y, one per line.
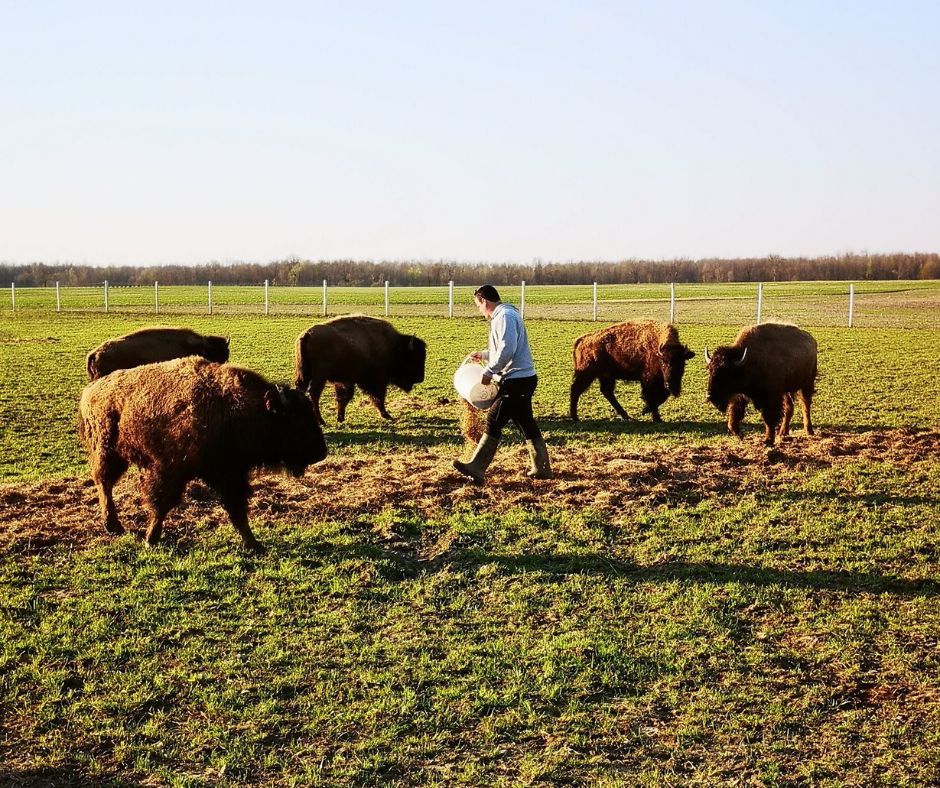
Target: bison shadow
column 563, row 426
column 869, row 499
column 395, row 566
column 59, row 777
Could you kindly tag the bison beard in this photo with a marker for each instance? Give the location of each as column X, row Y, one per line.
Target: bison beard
column 191, row 419
column 356, row 350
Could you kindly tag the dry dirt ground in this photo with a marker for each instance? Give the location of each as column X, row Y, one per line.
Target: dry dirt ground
column 36, row 516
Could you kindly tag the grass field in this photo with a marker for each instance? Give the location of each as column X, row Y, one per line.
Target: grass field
column 675, row 607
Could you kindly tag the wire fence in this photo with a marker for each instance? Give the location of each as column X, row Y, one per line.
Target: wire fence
column 896, row 304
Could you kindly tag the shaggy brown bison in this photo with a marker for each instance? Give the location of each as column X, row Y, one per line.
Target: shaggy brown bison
column 767, row 364
column 356, row 350
column 150, row 345
column 191, row 419
column 647, row 352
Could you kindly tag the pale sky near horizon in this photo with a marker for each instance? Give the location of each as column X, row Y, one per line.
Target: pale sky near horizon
column 185, row 132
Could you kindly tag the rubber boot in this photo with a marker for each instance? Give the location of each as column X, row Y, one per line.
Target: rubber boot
column 482, row 456
column 539, row 465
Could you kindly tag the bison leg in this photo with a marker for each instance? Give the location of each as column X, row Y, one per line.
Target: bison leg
column 772, row 413
column 235, row 494
column 607, row 389
column 344, row 395
column 580, row 384
column 315, row 391
column 736, row 409
column 162, row 493
column 377, row 395
column 806, row 402
column 106, row 475
column 787, row 415
column 654, row 394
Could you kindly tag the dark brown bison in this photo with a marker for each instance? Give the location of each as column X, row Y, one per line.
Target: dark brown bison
column 767, row 364
column 647, row 352
column 150, row 345
column 192, row 419
column 356, row 350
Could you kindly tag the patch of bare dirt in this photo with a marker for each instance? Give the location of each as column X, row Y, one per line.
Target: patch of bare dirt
column 345, row 488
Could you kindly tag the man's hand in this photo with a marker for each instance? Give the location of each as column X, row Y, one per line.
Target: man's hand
column 486, row 379
column 477, row 356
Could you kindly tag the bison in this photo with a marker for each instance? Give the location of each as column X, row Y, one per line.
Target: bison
column 191, row 419
column 150, row 345
column 648, row 352
column 356, row 350
column 767, row 364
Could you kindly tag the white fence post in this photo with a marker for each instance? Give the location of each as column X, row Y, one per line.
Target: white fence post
column 105, row 295
column 13, row 295
column 672, row 302
column 324, row 298
column 851, row 304
column 760, row 299
column 386, row 298
column 210, row 296
column 156, row 297
column 267, row 300
column 594, row 317
column 58, row 298
column 450, row 298
column 522, row 300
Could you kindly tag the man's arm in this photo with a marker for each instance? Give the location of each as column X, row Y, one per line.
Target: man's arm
column 505, row 339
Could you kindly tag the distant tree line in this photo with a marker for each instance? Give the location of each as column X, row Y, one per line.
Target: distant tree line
column 294, row 271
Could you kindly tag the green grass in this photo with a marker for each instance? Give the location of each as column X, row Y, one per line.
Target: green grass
column 773, row 623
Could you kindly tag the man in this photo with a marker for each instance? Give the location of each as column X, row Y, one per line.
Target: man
column 509, row 362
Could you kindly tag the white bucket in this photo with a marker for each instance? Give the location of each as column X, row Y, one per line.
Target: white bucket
column 468, row 380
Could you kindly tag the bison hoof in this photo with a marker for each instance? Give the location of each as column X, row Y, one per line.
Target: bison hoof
column 255, row 547
column 114, row 528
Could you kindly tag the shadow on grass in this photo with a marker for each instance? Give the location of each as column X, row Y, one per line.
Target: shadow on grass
column 58, row 777
column 869, row 499
column 408, row 431
column 399, row 566
column 562, row 426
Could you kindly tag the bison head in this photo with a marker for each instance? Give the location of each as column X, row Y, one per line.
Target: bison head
column 215, row 349
column 408, row 370
column 298, row 435
column 725, row 374
column 673, row 356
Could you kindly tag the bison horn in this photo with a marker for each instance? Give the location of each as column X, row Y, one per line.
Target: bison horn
column 743, row 356
column 708, row 358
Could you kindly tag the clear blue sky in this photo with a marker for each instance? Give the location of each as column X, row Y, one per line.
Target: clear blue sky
column 195, row 131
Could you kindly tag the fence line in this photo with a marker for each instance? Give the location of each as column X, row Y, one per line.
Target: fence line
column 916, row 304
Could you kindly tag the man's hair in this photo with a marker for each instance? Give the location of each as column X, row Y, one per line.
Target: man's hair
column 488, row 292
